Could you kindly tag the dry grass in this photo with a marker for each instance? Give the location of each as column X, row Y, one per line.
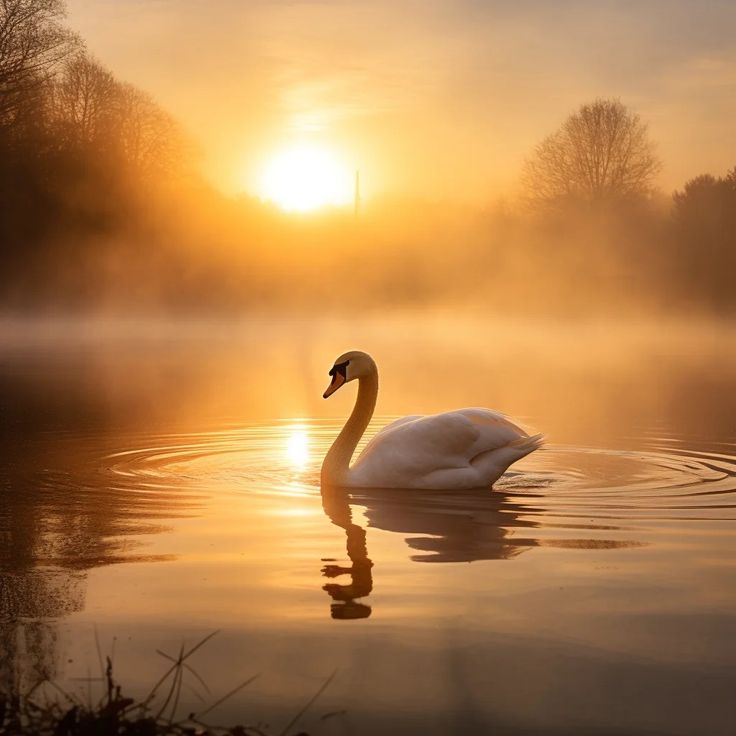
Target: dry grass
column 47, row 709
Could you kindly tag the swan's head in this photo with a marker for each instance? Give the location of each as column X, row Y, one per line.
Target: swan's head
column 348, row 367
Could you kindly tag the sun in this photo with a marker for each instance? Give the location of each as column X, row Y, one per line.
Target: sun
column 304, row 178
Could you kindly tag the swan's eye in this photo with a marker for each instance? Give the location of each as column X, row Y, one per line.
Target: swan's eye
column 340, row 368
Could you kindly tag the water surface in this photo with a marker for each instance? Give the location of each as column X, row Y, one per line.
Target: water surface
column 161, row 481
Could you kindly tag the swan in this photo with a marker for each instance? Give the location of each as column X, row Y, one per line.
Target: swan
column 456, row 450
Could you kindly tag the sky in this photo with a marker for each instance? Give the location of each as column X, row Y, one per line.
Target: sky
column 439, row 99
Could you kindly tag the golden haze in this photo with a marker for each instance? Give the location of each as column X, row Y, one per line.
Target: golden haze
column 438, row 99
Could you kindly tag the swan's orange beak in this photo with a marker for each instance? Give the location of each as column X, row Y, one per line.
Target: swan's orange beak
column 337, row 380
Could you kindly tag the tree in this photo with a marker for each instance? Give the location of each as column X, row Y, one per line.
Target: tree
column 114, row 124
column 82, row 101
column 33, row 42
column 704, row 213
column 151, row 141
column 704, row 218
column 602, row 153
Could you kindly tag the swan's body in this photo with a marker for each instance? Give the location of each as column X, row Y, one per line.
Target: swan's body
column 463, row 449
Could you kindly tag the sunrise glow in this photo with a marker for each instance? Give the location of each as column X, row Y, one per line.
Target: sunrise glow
column 305, row 178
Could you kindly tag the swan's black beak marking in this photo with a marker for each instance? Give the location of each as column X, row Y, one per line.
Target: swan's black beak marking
column 339, row 376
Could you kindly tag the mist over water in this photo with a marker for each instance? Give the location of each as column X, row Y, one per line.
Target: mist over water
column 161, row 480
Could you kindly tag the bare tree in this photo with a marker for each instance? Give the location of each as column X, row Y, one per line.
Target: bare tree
column 151, row 141
column 602, row 152
column 82, row 102
column 89, row 109
column 33, row 42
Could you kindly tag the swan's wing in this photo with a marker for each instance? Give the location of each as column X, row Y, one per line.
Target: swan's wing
column 495, row 430
column 467, row 448
column 419, row 445
column 450, row 434
column 388, row 428
column 399, row 422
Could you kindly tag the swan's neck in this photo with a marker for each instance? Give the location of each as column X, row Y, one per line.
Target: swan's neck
column 337, row 461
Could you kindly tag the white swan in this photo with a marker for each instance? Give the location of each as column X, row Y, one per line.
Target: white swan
column 463, row 449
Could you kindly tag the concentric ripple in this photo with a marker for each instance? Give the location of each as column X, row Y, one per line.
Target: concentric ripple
column 664, row 479
column 564, row 496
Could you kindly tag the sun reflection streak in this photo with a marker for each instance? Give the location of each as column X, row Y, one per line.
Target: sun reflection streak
column 297, row 447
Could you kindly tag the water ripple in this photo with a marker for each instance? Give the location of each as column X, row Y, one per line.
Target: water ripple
column 283, row 458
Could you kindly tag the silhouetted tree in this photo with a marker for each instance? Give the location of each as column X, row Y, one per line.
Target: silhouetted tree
column 602, row 153
column 704, row 216
column 91, row 110
column 151, row 140
column 85, row 161
column 33, row 42
column 82, row 101
column 707, row 204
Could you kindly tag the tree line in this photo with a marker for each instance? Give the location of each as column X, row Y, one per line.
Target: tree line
column 56, row 100
column 100, row 200
column 79, row 151
column 602, row 163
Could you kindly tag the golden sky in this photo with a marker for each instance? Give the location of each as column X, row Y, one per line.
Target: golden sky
column 430, row 98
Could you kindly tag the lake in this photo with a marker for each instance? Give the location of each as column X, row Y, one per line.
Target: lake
column 160, row 481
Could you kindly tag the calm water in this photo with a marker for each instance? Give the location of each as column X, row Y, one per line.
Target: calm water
column 161, row 482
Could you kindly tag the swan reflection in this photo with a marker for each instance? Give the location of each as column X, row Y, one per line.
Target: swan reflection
column 452, row 526
column 336, row 504
column 441, row 527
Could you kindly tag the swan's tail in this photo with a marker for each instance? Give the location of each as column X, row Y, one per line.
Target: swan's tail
column 494, row 463
column 527, row 444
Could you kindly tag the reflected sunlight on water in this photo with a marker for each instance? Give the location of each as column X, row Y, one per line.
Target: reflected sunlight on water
column 297, row 446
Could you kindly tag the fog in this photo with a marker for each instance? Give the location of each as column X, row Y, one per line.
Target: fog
column 188, row 253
